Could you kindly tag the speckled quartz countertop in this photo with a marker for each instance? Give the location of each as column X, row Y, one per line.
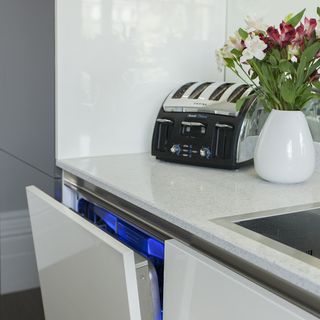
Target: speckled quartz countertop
column 196, row 199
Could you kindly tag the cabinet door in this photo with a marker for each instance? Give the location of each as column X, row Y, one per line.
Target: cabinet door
column 196, row 287
column 84, row 273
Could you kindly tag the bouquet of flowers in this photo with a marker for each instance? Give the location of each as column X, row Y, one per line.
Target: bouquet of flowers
column 284, row 60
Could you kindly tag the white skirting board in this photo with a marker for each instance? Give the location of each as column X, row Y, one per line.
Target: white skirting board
column 17, row 259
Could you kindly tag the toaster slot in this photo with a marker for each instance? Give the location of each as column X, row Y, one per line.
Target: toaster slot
column 224, row 136
column 163, row 129
column 217, row 94
column 197, row 92
column 237, row 94
column 182, row 90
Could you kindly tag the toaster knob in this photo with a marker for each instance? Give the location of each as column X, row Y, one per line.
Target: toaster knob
column 175, row 149
column 205, row 152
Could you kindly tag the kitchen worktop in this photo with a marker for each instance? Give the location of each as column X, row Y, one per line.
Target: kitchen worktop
column 194, row 197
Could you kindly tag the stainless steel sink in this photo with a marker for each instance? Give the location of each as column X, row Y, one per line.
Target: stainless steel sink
column 294, row 231
column 298, row 230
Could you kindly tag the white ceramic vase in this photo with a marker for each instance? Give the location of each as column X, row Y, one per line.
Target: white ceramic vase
column 285, row 150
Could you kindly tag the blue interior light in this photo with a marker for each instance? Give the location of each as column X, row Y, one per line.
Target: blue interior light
column 110, row 220
column 82, row 206
column 155, row 248
column 132, row 236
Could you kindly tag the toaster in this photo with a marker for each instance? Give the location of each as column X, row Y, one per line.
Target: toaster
column 199, row 124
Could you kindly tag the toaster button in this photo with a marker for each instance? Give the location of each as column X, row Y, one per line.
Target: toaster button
column 175, row 149
column 205, row 153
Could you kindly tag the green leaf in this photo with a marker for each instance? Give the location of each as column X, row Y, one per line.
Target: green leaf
column 318, row 11
column 273, row 60
column 306, row 57
column 268, row 78
column 296, row 19
column 300, row 90
column 276, row 54
column 286, row 66
column 236, row 52
column 288, row 17
column 304, row 98
column 243, row 34
column 311, row 51
column 229, row 63
column 240, row 102
column 287, row 92
column 254, row 75
column 315, row 66
column 316, row 84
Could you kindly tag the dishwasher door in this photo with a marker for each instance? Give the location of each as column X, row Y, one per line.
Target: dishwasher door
column 85, row 273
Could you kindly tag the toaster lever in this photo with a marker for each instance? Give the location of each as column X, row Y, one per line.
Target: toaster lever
column 223, row 125
column 164, row 121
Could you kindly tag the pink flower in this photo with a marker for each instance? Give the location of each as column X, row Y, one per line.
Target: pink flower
column 298, row 40
column 287, row 33
column 310, row 25
column 274, row 34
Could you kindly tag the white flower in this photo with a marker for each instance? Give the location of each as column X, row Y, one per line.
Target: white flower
column 255, row 24
column 254, row 49
column 219, row 59
column 235, row 42
column 221, row 54
column 293, row 52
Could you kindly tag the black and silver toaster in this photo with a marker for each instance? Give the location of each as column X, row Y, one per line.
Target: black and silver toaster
column 198, row 124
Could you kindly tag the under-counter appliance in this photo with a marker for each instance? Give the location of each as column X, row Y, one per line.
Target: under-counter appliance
column 148, row 249
column 199, row 124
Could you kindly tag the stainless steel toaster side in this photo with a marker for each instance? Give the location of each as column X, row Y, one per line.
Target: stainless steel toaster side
column 251, row 127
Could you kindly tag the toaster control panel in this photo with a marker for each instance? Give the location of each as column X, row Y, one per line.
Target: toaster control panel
column 187, row 150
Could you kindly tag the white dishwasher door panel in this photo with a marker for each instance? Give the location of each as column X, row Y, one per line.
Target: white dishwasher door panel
column 84, row 273
column 197, row 288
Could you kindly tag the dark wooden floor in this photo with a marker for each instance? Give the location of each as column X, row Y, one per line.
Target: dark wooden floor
column 26, row 305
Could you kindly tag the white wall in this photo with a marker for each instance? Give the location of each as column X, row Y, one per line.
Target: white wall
column 118, row 59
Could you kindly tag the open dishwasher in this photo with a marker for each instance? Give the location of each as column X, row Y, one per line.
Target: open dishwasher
column 149, row 250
